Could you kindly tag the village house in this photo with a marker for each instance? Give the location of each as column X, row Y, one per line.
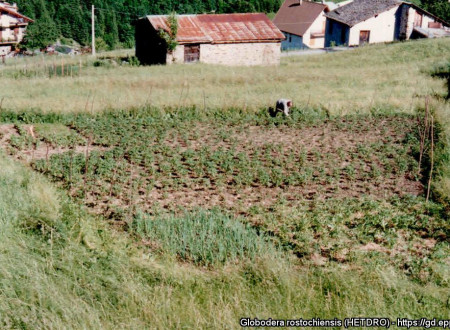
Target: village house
column 303, row 24
column 228, row 39
column 12, row 27
column 361, row 22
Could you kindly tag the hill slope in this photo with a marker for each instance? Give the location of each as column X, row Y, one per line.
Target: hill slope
column 68, row 261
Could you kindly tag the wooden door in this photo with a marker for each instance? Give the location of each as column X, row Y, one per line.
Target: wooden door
column 191, row 53
column 418, row 20
column 364, row 37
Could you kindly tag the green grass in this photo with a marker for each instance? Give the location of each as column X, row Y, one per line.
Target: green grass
column 204, row 238
column 61, row 269
column 197, row 216
column 378, row 76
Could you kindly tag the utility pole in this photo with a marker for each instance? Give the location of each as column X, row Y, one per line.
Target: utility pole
column 93, row 31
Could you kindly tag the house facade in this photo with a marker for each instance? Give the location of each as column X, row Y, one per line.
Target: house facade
column 362, row 22
column 12, row 27
column 227, row 39
column 303, row 24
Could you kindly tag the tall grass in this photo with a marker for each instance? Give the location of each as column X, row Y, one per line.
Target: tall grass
column 205, row 238
column 61, row 269
column 442, row 182
column 355, row 81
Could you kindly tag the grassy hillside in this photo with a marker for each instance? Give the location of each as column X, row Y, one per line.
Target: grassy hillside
column 373, row 77
column 197, row 216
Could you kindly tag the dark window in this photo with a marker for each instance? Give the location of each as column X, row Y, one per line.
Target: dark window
column 330, row 27
column 191, row 53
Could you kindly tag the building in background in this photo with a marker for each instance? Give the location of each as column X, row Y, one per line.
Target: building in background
column 361, row 22
column 12, row 27
column 228, row 39
column 303, row 24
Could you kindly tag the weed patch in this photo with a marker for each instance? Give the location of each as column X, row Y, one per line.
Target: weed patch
column 204, row 238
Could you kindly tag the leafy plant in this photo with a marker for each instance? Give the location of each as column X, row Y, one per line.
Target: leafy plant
column 170, row 36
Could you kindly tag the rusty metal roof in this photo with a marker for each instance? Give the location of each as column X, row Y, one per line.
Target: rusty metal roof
column 221, row 28
column 296, row 18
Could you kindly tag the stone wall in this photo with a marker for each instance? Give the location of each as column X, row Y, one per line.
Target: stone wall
column 241, row 54
column 177, row 56
column 244, row 54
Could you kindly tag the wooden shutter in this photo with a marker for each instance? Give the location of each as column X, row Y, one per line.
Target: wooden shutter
column 364, row 37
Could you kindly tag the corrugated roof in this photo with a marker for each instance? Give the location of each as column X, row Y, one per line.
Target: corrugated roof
column 361, row 10
column 221, row 28
column 297, row 19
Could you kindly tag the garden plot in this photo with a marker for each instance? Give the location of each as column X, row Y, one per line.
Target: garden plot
column 118, row 165
column 41, row 141
column 346, row 190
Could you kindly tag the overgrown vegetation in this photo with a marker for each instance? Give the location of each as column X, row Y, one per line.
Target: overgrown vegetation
column 170, row 37
column 139, row 168
column 204, row 238
column 194, row 216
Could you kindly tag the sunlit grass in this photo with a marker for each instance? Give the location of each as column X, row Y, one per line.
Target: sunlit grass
column 353, row 81
column 61, row 267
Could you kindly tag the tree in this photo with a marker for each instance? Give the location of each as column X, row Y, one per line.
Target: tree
column 114, row 18
column 440, row 8
column 44, row 31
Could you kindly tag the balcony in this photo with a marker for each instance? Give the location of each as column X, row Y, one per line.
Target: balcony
column 9, row 40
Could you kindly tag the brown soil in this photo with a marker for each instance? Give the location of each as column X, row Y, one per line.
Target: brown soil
column 320, row 143
column 43, row 150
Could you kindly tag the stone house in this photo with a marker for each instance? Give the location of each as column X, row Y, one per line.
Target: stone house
column 228, row 39
column 361, row 22
column 303, row 24
column 12, row 27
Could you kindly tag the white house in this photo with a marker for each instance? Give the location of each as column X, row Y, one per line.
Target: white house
column 374, row 21
column 12, row 27
column 303, row 24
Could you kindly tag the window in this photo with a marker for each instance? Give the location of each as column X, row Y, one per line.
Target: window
column 191, row 53
column 364, row 37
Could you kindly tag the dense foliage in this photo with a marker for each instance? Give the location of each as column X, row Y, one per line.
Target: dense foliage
column 71, row 18
column 440, row 8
